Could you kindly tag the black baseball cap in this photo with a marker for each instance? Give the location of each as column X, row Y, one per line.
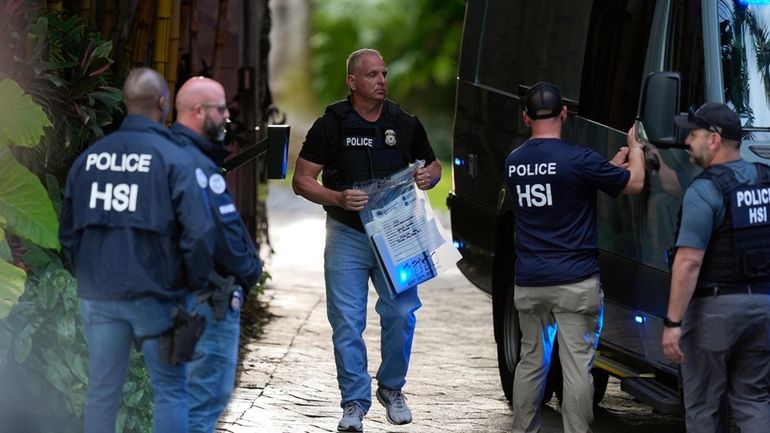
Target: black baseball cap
column 714, row 117
column 544, row 101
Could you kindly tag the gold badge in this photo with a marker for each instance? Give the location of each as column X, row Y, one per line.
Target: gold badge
column 390, row 137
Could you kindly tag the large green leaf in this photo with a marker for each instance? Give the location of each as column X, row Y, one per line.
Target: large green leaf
column 11, row 287
column 5, row 250
column 24, row 203
column 22, row 120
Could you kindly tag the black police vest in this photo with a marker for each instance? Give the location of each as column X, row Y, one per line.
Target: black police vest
column 739, row 249
column 363, row 150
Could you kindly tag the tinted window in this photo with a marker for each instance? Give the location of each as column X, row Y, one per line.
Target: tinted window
column 533, row 40
column 686, row 50
column 614, row 61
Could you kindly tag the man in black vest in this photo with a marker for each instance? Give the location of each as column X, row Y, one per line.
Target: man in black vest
column 361, row 138
column 719, row 304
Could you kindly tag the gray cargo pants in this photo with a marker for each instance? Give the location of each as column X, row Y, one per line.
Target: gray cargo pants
column 726, row 346
column 573, row 308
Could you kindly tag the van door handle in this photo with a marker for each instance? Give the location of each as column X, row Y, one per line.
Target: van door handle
column 473, row 163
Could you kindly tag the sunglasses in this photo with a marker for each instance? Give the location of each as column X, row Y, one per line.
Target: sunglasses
column 694, row 117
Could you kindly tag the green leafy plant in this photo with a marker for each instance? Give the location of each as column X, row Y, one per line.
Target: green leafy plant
column 66, row 69
column 25, row 209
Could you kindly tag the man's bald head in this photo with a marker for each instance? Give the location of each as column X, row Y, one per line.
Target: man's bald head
column 201, row 106
column 146, row 94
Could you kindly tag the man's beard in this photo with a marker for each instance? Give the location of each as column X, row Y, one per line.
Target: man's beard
column 213, row 130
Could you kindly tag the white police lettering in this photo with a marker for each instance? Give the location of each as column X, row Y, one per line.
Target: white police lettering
column 120, row 197
column 537, row 195
column 128, row 162
column 753, row 197
column 359, row 141
column 756, row 200
column 540, row 169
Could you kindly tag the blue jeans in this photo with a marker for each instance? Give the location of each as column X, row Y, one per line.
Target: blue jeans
column 211, row 374
column 349, row 263
column 111, row 328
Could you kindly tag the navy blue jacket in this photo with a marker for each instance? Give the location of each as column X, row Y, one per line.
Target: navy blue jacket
column 234, row 252
column 553, row 185
column 134, row 221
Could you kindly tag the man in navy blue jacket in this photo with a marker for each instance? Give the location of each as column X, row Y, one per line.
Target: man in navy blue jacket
column 137, row 231
column 200, row 129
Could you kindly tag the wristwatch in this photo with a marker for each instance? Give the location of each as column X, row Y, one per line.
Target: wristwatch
column 668, row 323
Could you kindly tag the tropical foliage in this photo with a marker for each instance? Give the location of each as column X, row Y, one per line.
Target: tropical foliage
column 66, row 69
column 55, row 85
column 25, row 209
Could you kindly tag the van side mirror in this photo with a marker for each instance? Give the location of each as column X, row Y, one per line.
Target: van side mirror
column 659, row 105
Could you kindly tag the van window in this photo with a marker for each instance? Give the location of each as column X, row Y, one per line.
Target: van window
column 686, row 51
column 615, row 51
column 534, row 40
column 744, row 38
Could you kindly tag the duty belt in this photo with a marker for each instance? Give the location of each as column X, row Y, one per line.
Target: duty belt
column 731, row 289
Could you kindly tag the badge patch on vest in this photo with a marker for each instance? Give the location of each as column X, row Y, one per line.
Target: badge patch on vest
column 200, row 176
column 750, row 206
column 390, row 137
column 217, row 183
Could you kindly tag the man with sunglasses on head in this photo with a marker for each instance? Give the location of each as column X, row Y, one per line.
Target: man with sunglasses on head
column 718, row 320
column 202, row 116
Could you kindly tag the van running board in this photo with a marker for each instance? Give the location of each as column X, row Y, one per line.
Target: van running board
column 651, row 392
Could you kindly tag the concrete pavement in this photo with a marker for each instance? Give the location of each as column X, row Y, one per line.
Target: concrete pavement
column 287, row 382
column 288, row 379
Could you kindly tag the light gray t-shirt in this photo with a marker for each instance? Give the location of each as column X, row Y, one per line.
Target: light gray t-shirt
column 703, row 207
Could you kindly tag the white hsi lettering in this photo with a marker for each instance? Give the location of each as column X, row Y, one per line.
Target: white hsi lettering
column 131, row 162
column 537, row 195
column 120, row 197
column 757, row 215
column 358, row 141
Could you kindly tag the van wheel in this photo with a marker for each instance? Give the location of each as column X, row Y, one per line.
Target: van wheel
column 601, row 378
column 509, row 339
column 555, row 384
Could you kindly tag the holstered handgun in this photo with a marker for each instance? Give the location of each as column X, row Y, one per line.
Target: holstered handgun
column 221, row 294
column 177, row 344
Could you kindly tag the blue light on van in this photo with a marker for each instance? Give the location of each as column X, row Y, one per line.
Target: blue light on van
column 640, row 319
column 459, row 244
column 754, row 2
column 459, row 162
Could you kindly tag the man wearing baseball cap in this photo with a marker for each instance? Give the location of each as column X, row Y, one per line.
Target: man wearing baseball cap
column 553, row 185
column 718, row 319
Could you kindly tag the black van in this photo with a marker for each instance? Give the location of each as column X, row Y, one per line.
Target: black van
column 614, row 60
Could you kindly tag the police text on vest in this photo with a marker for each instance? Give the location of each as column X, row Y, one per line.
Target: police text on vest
column 128, row 162
column 756, row 199
column 358, row 141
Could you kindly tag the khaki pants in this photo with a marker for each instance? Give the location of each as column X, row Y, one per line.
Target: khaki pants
column 574, row 309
